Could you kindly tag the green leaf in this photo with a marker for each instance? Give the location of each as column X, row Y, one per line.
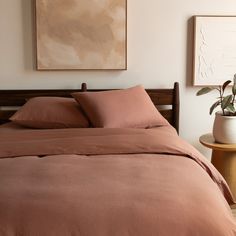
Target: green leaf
column 226, row 83
column 204, row 91
column 226, row 101
column 234, row 89
column 216, row 104
column 230, row 108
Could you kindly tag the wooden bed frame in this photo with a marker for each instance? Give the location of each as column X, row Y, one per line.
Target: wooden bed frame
column 160, row 97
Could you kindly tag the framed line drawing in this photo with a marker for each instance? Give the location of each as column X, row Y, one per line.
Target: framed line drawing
column 81, row 34
column 214, row 49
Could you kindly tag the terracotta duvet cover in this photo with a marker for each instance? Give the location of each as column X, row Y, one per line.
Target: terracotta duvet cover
column 109, row 182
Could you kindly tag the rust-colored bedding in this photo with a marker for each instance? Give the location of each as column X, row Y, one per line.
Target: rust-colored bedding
column 109, row 182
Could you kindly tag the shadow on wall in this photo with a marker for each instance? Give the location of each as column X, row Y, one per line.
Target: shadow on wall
column 189, row 51
column 28, row 29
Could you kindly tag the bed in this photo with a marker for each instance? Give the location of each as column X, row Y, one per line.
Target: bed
column 107, row 181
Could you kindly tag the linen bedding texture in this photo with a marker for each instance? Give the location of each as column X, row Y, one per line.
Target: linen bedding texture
column 109, row 182
column 127, row 108
column 50, row 113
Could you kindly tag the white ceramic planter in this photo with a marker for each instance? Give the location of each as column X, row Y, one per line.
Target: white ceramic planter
column 224, row 128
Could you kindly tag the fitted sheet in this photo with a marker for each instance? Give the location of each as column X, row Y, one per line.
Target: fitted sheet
column 109, row 182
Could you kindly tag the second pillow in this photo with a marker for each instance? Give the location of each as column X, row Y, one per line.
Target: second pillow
column 127, row 108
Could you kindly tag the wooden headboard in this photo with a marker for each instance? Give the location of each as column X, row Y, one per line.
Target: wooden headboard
column 160, row 97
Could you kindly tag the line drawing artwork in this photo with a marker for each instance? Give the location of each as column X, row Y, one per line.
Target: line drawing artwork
column 214, row 49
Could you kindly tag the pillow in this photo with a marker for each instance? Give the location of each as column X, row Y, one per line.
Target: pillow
column 127, row 108
column 50, row 113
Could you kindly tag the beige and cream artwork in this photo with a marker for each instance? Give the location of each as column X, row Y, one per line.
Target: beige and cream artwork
column 81, row 34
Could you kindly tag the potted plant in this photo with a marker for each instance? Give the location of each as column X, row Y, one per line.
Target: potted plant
column 224, row 128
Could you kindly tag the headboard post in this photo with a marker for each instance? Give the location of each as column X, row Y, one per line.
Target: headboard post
column 176, row 105
column 84, row 87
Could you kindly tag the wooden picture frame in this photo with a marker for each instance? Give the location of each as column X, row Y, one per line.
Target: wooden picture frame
column 214, row 50
column 81, row 35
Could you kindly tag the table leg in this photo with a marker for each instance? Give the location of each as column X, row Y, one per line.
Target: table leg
column 225, row 163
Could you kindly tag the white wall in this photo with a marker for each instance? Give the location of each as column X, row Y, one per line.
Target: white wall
column 159, row 53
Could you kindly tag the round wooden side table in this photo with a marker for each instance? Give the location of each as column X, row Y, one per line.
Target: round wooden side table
column 223, row 158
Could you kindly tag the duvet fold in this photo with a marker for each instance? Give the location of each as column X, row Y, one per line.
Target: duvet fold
column 100, row 141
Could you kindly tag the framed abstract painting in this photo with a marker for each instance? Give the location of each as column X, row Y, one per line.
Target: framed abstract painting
column 81, row 34
column 214, row 49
